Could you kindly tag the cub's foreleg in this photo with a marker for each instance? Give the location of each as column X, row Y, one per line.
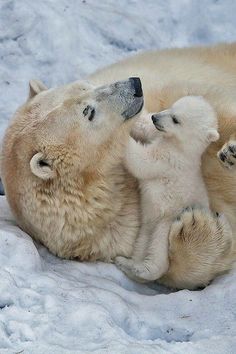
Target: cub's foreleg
column 155, row 262
column 142, row 161
column 144, row 130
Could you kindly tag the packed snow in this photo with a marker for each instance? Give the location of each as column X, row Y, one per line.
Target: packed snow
column 49, row 305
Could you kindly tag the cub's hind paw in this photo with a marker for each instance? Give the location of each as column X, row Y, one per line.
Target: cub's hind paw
column 125, row 264
column 227, row 155
column 132, row 269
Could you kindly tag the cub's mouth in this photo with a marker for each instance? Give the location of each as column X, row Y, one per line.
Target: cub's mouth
column 159, row 127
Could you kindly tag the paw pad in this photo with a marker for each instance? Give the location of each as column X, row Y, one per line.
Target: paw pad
column 227, row 155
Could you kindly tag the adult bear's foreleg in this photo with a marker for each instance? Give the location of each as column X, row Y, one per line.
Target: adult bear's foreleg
column 227, row 155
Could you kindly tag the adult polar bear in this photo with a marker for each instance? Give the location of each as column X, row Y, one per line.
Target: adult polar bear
column 94, row 214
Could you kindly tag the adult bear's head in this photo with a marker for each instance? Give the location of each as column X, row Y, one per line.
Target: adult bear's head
column 64, row 137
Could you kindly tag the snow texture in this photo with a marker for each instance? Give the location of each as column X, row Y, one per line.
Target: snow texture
column 49, row 305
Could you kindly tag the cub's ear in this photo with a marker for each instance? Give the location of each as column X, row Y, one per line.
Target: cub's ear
column 42, row 167
column 35, row 87
column 212, row 135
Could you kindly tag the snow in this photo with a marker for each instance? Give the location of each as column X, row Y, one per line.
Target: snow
column 60, row 41
column 49, row 305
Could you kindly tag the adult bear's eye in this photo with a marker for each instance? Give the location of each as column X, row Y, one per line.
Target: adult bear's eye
column 175, row 120
column 89, row 112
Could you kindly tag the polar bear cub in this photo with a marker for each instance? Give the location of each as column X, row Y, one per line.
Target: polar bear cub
column 169, row 171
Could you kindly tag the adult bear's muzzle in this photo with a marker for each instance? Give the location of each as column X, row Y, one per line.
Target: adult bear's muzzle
column 123, row 97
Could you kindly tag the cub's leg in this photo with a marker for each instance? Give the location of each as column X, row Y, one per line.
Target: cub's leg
column 200, row 248
column 227, row 155
column 127, row 265
column 155, row 262
column 142, row 161
column 148, row 225
column 140, row 250
column 142, row 241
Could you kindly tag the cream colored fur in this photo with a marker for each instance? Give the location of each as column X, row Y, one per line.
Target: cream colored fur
column 63, row 174
column 90, row 209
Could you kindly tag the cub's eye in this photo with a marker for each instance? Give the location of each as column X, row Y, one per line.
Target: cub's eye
column 89, row 112
column 175, row 120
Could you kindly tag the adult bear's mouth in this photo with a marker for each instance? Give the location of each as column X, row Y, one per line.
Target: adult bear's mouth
column 134, row 109
column 137, row 101
column 123, row 97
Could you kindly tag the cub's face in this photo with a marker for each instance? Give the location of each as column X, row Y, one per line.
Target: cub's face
column 64, row 130
column 191, row 119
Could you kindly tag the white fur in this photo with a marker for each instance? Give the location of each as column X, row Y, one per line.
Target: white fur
column 169, row 170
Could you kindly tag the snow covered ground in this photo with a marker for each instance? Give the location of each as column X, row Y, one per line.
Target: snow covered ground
column 48, row 305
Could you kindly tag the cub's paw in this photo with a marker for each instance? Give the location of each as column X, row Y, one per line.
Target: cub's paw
column 227, row 155
column 141, row 271
column 134, row 270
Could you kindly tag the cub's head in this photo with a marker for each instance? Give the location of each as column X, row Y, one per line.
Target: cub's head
column 190, row 120
column 64, row 134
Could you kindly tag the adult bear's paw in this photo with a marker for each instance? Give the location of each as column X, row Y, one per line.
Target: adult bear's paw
column 200, row 248
column 200, row 227
column 227, row 155
column 192, row 221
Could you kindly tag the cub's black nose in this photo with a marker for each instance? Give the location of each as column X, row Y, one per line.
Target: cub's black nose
column 154, row 118
column 136, row 84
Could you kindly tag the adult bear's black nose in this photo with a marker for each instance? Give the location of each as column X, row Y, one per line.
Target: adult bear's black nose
column 1, row 188
column 136, row 84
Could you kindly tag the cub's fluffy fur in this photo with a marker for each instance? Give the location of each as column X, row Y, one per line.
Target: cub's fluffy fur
column 169, row 171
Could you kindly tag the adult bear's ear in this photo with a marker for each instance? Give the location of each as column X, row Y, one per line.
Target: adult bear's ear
column 212, row 135
column 42, row 167
column 35, row 87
